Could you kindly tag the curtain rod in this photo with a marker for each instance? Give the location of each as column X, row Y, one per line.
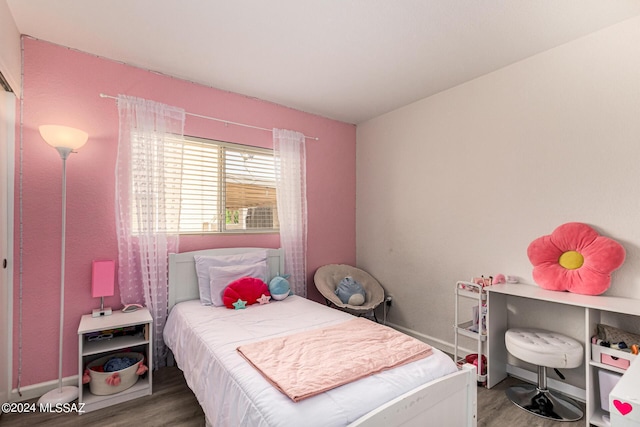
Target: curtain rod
column 226, row 122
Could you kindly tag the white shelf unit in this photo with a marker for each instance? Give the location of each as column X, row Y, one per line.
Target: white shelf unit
column 627, row 393
column 91, row 350
column 478, row 295
column 596, row 413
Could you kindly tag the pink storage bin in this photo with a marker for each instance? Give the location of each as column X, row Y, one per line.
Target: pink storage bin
column 611, row 356
column 618, row 362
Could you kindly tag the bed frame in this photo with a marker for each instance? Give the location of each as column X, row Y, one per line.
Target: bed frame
column 450, row 400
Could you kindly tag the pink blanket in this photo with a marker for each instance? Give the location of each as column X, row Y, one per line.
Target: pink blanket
column 308, row 363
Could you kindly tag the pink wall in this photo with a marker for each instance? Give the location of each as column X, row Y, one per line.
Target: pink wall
column 62, row 86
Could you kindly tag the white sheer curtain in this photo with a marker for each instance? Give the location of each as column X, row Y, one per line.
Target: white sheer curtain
column 148, row 178
column 291, row 193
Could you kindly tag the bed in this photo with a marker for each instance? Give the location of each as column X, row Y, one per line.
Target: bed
column 204, row 341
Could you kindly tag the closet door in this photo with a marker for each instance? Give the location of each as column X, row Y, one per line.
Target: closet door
column 7, row 138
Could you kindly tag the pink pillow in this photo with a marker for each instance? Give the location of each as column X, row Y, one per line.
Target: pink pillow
column 575, row 258
column 247, row 289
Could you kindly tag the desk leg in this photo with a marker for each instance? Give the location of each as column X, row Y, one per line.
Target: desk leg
column 496, row 328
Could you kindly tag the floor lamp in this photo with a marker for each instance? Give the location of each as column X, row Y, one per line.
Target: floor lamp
column 65, row 140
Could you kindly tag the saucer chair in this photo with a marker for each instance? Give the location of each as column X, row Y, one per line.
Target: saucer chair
column 329, row 276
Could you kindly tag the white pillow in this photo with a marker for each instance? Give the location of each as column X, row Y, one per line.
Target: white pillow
column 203, row 263
column 220, row 277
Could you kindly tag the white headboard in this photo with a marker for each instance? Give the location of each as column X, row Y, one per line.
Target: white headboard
column 183, row 279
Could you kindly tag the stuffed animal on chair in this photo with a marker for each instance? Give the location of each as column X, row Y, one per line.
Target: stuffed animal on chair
column 350, row 292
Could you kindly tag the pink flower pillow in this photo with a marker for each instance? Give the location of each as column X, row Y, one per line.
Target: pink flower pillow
column 575, row 258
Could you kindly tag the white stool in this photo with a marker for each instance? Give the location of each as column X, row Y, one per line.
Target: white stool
column 547, row 350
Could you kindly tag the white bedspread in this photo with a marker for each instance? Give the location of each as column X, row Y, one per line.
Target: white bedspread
column 232, row 393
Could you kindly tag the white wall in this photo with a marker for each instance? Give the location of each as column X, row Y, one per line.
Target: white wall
column 458, row 184
column 10, row 56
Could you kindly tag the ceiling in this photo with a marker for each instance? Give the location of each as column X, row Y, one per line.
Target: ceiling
column 349, row 60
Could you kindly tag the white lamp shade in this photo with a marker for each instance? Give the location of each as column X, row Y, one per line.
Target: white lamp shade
column 63, row 136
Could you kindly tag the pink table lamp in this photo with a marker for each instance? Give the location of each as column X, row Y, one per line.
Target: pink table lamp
column 102, row 281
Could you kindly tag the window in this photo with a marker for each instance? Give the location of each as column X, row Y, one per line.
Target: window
column 227, row 188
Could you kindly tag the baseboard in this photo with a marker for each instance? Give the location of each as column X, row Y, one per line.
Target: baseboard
column 447, row 347
column 34, row 391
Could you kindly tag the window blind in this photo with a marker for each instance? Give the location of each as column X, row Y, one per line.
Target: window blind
column 227, row 188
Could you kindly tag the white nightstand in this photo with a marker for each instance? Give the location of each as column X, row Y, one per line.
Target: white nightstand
column 131, row 332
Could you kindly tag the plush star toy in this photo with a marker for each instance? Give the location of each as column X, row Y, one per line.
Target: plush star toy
column 264, row 299
column 238, row 305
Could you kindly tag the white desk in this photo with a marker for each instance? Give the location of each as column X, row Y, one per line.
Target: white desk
column 592, row 308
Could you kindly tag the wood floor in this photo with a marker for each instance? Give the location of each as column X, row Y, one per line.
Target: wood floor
column 173, row 404
column 495, row 410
